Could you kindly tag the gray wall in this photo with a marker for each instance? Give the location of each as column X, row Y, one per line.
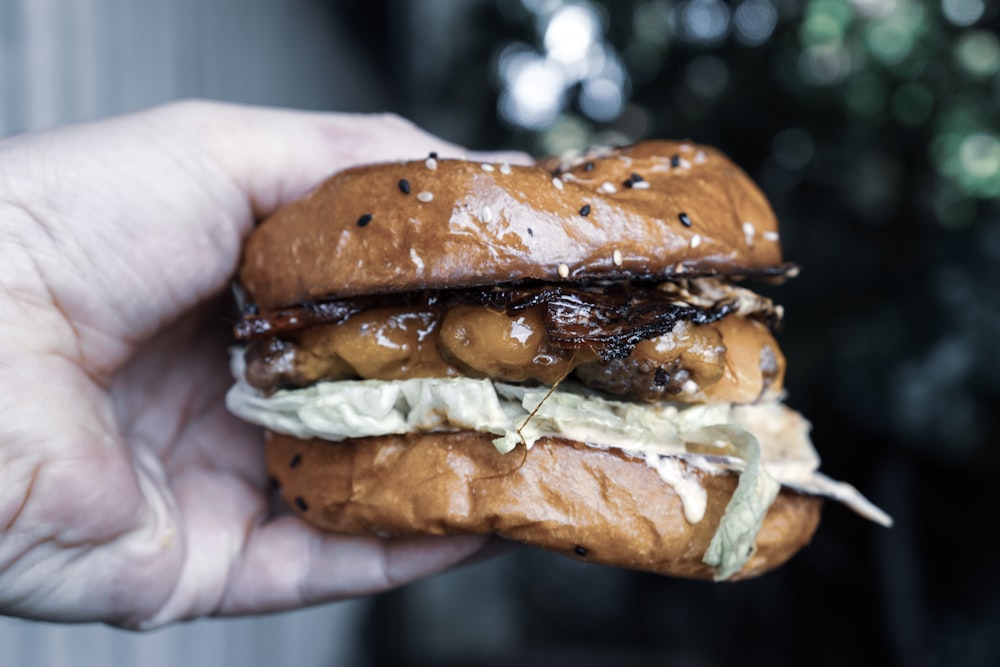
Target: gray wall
column 70, row 60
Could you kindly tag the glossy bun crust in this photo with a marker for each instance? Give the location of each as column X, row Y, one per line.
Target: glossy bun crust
column 613, row 214
column 592, row 504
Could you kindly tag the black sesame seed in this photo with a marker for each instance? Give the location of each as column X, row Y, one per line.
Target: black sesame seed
column 636, row 178
column 627, row 182
column 251, row 309
column 660, row 377
column 297, row 459
column 364, row 220
column 404, row 186
column 530, row 233
column 589, row 166
column 585, row 211
column 685, row 220
column 273, row 483
column 675, row 161
column 580, row 551
column 301, row 504
column 433, row 155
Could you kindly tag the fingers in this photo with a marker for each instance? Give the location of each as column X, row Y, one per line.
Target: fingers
column 288, row 564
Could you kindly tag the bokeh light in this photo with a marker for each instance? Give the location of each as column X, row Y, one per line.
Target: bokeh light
column 754, row 21
column 963, row 12
column 702, row 22
column 978, row 53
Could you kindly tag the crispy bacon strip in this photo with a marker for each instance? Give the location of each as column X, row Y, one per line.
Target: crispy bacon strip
column 610, row 320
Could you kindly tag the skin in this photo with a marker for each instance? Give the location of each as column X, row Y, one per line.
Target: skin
column 128, row 494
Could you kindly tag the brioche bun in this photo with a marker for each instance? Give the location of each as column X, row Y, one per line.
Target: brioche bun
column 597, row 505
column 512, row 224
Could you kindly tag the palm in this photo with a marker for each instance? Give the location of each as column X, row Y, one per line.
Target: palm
column 127, row 492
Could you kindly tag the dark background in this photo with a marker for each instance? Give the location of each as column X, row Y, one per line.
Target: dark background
column 872, row 125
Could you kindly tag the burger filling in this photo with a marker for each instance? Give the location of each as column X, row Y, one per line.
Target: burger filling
column 692, row 342
column 683, row 375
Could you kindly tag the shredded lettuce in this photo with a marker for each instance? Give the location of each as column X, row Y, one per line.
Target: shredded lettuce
column 766, row 444
column 733, row 543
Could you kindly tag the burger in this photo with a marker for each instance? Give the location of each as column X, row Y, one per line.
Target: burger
column 563, row 354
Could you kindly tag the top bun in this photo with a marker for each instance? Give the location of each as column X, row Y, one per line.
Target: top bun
column 655, row 210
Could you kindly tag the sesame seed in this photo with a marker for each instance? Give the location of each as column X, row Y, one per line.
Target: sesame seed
column 617, row 258
column 685, row 220
column 792, row 272
column 689, row 387
column 685, row 164
column 563, row 271
column 696, row 240
column 557, row 183
column 295, row 461
column 771, row 236
column 431, row 163
column 486, row 167
column 634, row 180
column 433, row 155
column 675, row 161
column 505, row 168
column 685, row 147
column 424, row 196
column 640, row 185
column 588, row 166
column 530, row 232
column 580, row 551
column 404, row 186
column 301, row 504
column 608, row 188
column 585, row 211
column 748, row 232
column 486, row 214
column 364, row 220
column 700, row 157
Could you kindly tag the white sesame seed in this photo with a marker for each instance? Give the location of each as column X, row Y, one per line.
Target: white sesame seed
column 424, row 196
column 748, row 232
column 557, row 183
column 486, row 214
column 779, row 310
column 696, row 240
column 689, row 387
column 640, row 185
column 771, row 236
column 431, row 163
column 563, row 271
column 486, row 167
column 608, row 188
column 505, row 168
column 617, row 257
column 685, row 164
column 792, row 272
column 685, row 147
column 700, row 157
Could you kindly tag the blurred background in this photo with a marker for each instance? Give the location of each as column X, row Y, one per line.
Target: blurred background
column 874, row 128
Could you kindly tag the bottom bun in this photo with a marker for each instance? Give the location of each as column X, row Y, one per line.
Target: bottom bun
column 591, row 504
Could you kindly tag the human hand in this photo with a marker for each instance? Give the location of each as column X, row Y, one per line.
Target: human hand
column 127, row 493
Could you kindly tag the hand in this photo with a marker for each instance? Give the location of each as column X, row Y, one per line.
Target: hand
column 127, row 493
